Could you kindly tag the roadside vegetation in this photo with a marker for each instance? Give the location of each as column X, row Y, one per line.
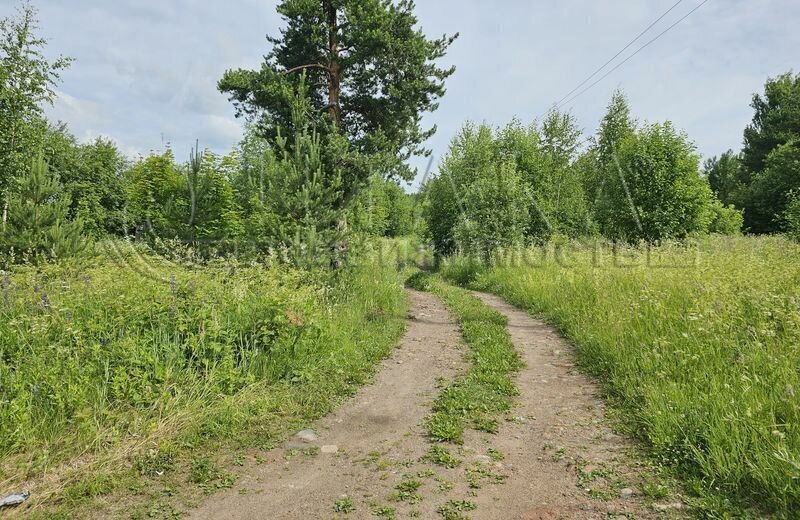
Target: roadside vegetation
column 138, row 377
column 696, row 344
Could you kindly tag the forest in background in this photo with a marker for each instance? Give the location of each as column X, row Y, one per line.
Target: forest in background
column 633, row 182
column 294, row 183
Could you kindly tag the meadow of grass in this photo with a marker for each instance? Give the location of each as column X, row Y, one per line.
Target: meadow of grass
column 137, row 362
column 699, row 345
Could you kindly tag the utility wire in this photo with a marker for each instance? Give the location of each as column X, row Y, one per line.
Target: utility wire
column 595, row 73
column 643, row 47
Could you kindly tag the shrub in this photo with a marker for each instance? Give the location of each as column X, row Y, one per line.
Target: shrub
column 725, row 220
column 791, row 216
column 658, row 193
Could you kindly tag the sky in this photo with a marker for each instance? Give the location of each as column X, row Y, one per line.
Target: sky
column 146, row 70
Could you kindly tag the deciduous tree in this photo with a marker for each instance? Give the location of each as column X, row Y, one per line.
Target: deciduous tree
column 725, row 176
column 660, row 193
column 776, row 120
column 27, row 82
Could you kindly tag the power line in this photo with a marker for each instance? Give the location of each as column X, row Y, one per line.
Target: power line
column 643, row 47
column 593, row 74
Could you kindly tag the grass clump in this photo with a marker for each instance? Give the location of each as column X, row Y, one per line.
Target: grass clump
column 406, row 491
column 477, row 474
column 208, row 477
column 698, row 344
column 421, row 281
column 441, row 456
column 387, row 512
column 454, row 509
column 344, row 505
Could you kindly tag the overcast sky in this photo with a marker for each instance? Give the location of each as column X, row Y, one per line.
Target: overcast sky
column 146, row 70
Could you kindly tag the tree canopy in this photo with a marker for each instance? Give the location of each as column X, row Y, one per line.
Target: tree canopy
column 369, row 68
column 27, row 82
column 770, row 156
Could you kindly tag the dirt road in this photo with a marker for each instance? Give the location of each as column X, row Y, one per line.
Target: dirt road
column 553, row 457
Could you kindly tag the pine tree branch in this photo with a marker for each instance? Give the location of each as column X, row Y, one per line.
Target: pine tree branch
column 308, row 66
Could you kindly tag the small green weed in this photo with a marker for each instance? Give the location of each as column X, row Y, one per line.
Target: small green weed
column 344, row 505
column 441, row 456
column 385, row 512
column 453, row 509
column 477, row 474
column 495, row 454
column 407, row 491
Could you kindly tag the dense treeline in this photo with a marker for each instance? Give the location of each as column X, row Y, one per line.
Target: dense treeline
column 631, row 182
column 518, row 185
column 252, row 200
column 320, row 164
column 764, row 178
column 316, row 164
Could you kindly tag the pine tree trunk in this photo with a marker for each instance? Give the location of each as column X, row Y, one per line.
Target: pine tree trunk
column 335, row 85
column 335, row 110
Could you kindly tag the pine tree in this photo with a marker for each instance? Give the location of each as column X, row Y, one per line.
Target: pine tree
column 370, row 69
column 304, row 195
column 38, row 227
column 214, row 216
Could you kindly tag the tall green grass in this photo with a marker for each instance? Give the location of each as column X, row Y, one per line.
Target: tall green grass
column 700, row 347
column 132, row 347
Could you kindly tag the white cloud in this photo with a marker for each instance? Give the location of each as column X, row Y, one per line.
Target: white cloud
column 67, row 108
column 220, row 129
